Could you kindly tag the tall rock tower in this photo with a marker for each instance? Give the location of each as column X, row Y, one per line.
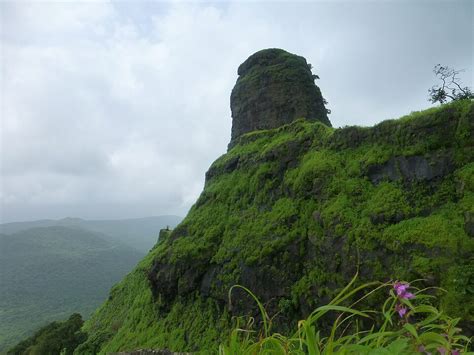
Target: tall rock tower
column 274, row 88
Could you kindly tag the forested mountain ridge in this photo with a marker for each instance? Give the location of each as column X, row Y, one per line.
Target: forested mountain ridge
column 139, row 233
column 47, row 273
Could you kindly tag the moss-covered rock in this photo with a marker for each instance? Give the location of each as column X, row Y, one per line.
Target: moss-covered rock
column 274, row 88
column 292, row 213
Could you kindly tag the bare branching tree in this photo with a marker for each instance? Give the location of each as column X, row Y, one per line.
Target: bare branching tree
column 450, row 88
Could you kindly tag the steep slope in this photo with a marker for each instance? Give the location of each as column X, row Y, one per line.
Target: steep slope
column 50, row 272
column 138, row 233
column 291, row 213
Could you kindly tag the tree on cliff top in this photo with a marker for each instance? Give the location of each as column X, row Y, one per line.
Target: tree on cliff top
column 450, row 88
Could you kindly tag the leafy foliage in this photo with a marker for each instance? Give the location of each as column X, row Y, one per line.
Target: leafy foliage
column 406, row 324
column 54, row 338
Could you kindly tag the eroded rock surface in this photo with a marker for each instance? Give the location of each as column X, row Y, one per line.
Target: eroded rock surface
column 414, row 168
column 274, row 88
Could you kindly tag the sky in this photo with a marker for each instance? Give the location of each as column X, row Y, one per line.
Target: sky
column 117, row 109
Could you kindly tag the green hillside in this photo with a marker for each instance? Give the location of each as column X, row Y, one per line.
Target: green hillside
column 50, row 272
column 292, row 213
column 138, row 233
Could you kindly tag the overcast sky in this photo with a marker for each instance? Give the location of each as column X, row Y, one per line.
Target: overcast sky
column 117, row 109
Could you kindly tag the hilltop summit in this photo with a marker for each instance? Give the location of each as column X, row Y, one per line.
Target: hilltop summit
column 293, row 212
column 274, row 88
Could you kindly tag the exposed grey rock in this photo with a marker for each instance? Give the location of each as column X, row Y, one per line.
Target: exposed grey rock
column 469, row 223
column 413, row 168
column 274, row 88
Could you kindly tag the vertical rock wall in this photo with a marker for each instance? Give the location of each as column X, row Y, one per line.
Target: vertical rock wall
column 274, row 88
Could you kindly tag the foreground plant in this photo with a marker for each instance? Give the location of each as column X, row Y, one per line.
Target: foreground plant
column 407, row 325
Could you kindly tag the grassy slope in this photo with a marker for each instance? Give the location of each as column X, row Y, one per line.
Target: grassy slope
column 48, row 273
column 304, row 186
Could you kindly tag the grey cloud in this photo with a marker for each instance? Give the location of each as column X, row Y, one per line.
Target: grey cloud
column 111, row 110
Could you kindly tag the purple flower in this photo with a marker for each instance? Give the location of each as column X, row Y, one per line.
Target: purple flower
column 421, row 349
column 456, row 352
column 401, row 289
column 442, row 350
column 402, row 310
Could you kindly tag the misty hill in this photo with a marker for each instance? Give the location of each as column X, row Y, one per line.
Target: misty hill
column 139, row 233
column 293, row 211
column 47, row 273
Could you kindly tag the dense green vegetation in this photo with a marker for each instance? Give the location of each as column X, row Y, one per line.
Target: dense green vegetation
column 405, row 324
column 138, row 233
column 48, row 273
column 134, row 319
column 54, row 338
column 292, row 213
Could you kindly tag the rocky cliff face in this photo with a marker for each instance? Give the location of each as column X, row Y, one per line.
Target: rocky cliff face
column 274, row 88
column 291, row 213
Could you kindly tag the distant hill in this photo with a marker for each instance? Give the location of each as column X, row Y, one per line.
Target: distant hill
column 47, row 273
column 139, row 233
